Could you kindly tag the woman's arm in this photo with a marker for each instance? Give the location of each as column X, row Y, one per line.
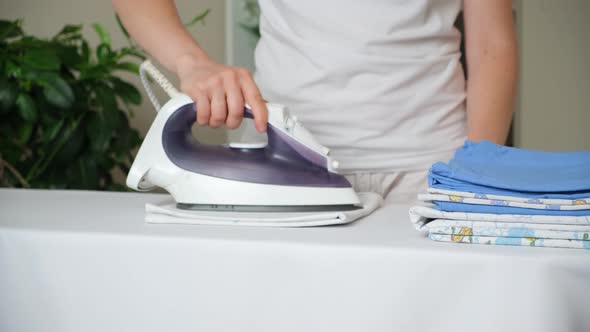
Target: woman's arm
column 491, row 51
column 219, row 91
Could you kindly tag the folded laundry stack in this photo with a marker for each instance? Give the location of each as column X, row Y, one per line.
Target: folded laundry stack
column 492, row 194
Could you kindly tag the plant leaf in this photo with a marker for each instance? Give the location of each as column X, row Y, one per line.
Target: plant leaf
column 128, row 66
column 113, row 118
column 58, row 92
column 41, row 58
column 122, row 27
column 47, row 116
column 126, row 139
column 75, row 141
column 10, row 151
column 70, row 29
column 117, row 187
column 104, row 161
column 98, row 132
column 50, row 132
column 10, row 29
column 27, row 42
column 254, row 30
column 85, row 52
column 13, row 70
column 8, row 93
column 88, row 171
column 105, row 97
column 126, row 91
column 39, row 76
column 26, row 107
column 69, row 55
column 198, row 18
column 25, row 131
column 102, row 33
column 104, row 53
column 133, row 52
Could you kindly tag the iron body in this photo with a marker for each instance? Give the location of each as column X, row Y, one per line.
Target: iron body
column 292, row 172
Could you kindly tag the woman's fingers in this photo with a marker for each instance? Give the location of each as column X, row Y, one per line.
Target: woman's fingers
column 218, row 103
column 234, row 98
column 253, row 97
column 220, row 92
column 203, row 107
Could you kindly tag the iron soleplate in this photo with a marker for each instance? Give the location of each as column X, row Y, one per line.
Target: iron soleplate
column 267, row 208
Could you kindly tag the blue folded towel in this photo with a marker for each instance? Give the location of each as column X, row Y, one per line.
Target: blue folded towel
column 498, row 209
column 488, row 168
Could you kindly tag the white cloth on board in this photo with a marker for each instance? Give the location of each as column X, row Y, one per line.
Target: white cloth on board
column 167, row 213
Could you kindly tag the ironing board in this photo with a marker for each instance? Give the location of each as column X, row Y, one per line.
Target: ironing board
column 86, row 261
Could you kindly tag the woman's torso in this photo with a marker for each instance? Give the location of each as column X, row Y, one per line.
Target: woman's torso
column 377, row 81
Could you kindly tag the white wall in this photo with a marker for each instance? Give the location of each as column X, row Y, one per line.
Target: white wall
column 45, row 18
column 554, row 104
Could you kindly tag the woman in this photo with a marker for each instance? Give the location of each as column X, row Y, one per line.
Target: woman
column 378, row 81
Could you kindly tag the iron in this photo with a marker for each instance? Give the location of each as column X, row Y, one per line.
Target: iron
column 291, row 172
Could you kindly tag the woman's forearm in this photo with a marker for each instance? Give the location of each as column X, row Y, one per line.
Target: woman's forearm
column 156, row 26
column 490, row 96
column 219, row 91
column 492, row 68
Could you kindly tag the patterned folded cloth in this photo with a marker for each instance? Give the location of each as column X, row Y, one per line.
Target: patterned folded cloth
column 487, row 168
column 503, row 229
column 421, row 215
column 581, row 203
column 453, row 201
column 512, row 241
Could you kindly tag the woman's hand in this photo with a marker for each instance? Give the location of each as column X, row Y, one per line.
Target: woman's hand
column 220, row 92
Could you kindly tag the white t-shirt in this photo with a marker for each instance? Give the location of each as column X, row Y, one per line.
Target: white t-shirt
column 379, row 82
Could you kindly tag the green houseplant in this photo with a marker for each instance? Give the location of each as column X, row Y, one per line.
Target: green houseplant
column 63, row 109
column 250, row 17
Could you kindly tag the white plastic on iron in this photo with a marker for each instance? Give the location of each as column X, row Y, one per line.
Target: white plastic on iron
column 292, row 172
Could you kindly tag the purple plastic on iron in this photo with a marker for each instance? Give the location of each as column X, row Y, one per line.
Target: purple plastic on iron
column 303, row 150
column 284, row 161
